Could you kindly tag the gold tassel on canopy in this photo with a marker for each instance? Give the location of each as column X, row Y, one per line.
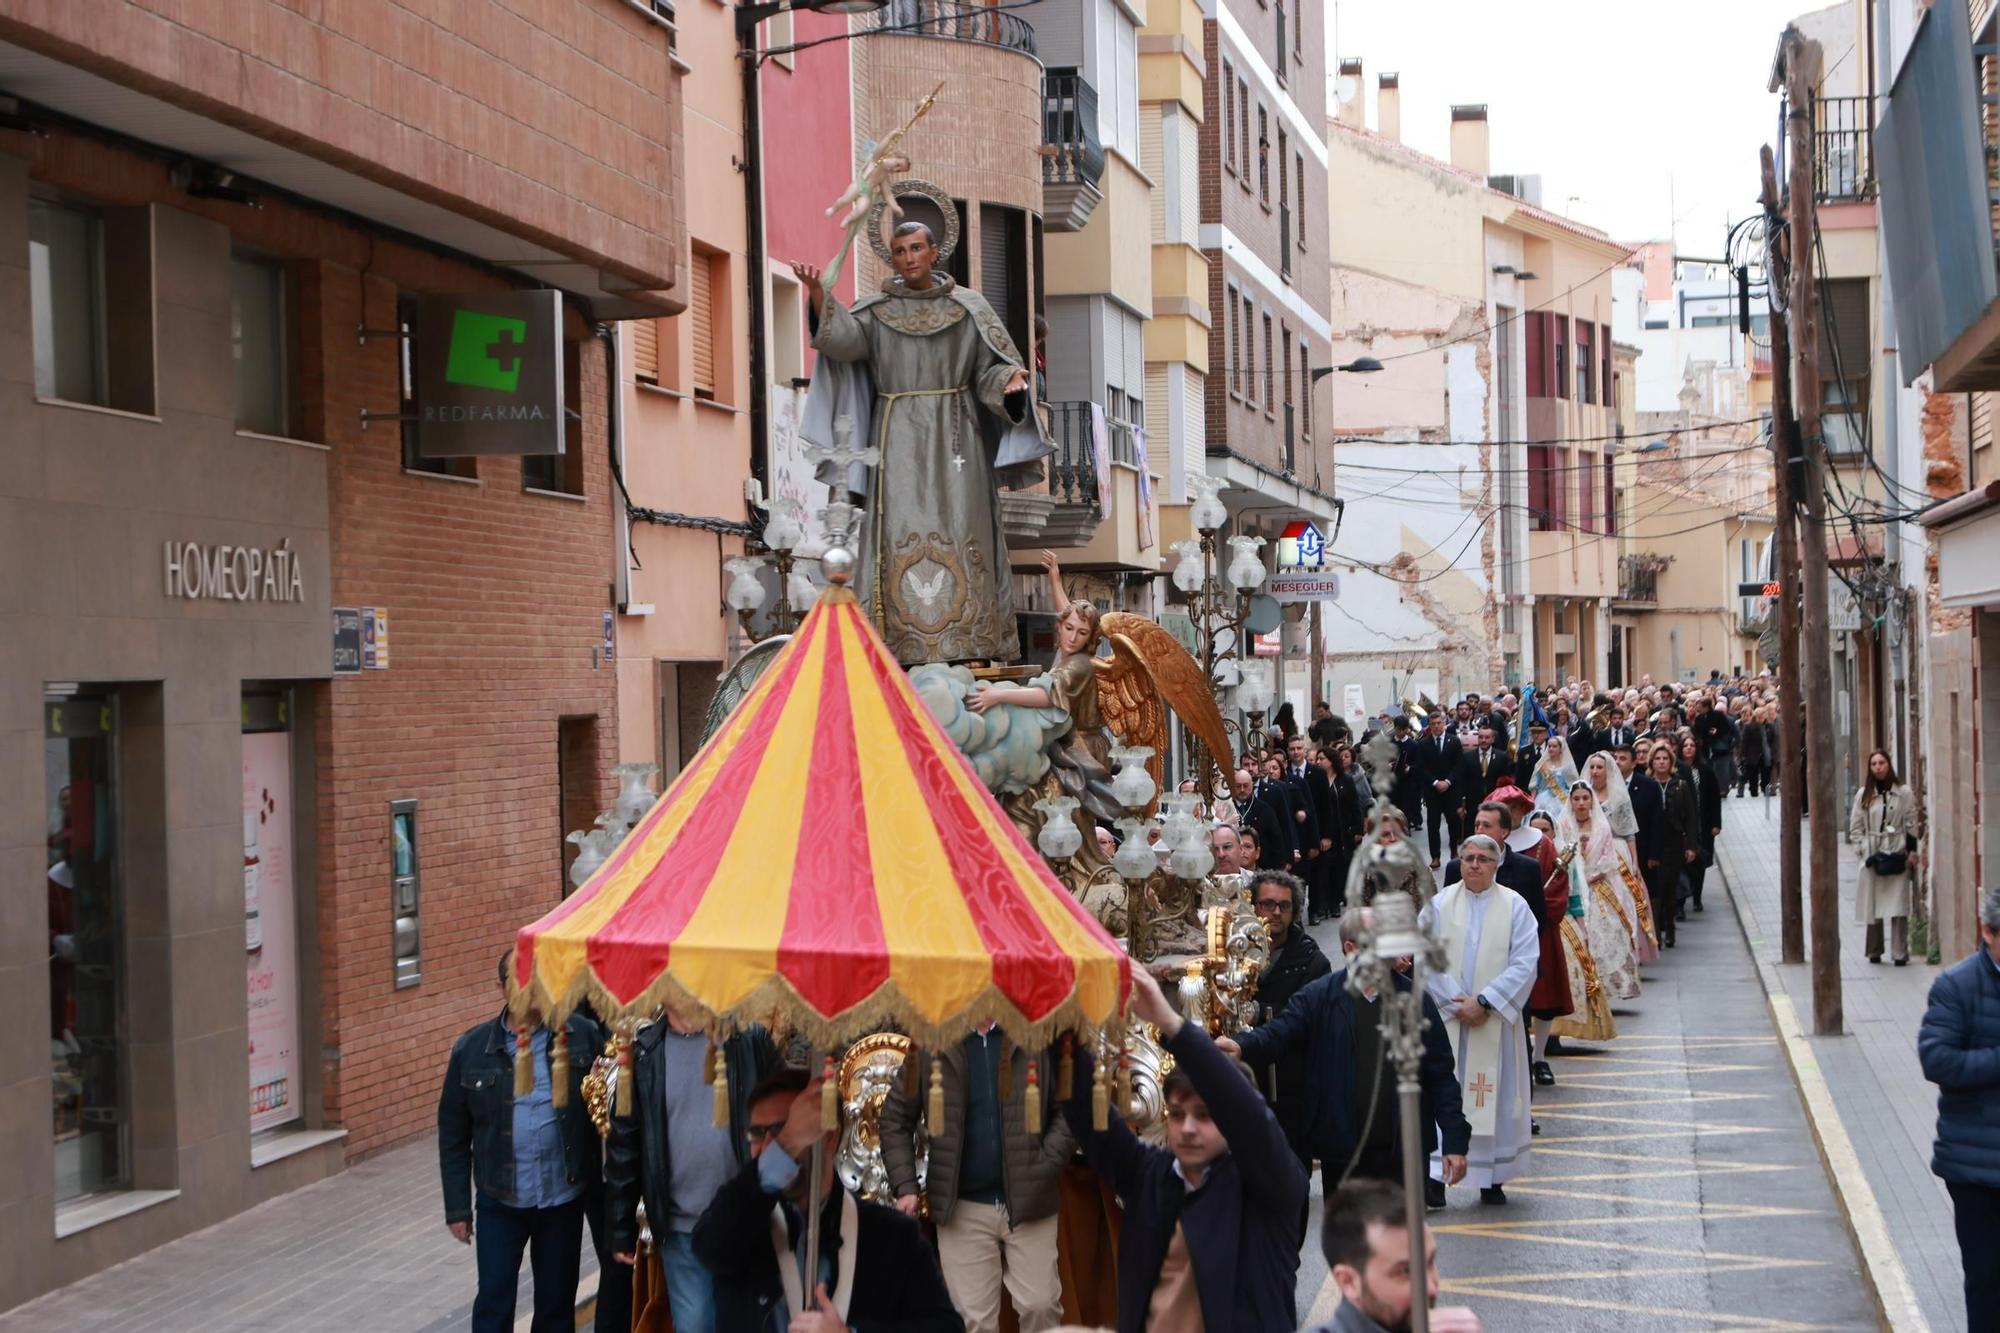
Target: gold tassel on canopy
column 829, row 1098
column 524, row 1060
column 937, row 1096
column 1031, row 1114
column 719, row 1076
column 559, row 1068
column 1066, row 1070
column 623, row 1103
column 1100, row 1098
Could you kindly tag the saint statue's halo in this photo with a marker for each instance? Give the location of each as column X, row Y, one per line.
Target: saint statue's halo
column 946, row 207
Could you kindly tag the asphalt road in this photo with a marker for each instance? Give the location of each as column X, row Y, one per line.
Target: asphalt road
column 1674, row 1185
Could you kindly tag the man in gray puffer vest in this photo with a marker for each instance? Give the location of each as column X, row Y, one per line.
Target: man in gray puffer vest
column 1959, row 1044
column 991, row 1182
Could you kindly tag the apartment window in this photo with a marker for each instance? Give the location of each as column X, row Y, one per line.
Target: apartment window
column 788, row 332
column 1305, row 392
column 1284, row 341
column 1263, row 154
column 87, row 972
column 1284, row 179
column 264, row 341
column 1270, row 382
column 1298, row 27
column 578, row 790
column 1228, row 116
column 1243, row 124
column 645, row 337
column 1249, row 351
column 1844, row 365
column 466, row 466
column 66, row 278
column 702, row 322
column 1235, row 322
column 1586, row 364
column 1504, row 356
column 562, row 473
column 1559, row 338
column 1544, row 488
column 1610, row 495
column 1299, row 221
column 90, row 279
column 1604, row 368
column 1585, row 472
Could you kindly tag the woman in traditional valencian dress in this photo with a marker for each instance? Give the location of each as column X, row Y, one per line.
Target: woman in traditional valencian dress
column 1590, row 1017
column 1554, row 775
column 1601, row 876
column 1607, row 784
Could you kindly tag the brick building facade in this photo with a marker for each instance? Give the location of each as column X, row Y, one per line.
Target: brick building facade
column 204, row 286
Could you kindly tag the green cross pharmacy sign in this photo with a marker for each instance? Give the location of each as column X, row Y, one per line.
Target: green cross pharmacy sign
column 489, row 374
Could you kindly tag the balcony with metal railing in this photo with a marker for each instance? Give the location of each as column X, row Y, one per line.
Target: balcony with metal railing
column 959, row 21
column 1072, row 152
column 1843, row 137
column 1639, row 580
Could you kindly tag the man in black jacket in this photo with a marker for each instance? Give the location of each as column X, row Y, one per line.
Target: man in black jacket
column 1438, row 756
column 1664, row 806
column 1296, row 959
column 874, row 1272
column 1310, row 786
column 1211, row 1233
column 1959, row 1047
column 1346, row 1062
column 1254, row 811
column 532, row 1161
column 673, row 1105
column 1484, row 767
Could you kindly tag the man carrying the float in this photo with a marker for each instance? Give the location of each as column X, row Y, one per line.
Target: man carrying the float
column 1490, row 939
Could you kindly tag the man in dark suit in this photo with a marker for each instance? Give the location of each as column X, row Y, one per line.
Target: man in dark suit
column 1300, row 820
column 1616, row 732
column 1484, row 768
column 1309, row 787
column 1408, row 790
column 1522, row 874
column 1274, row 841
column 1438, row 757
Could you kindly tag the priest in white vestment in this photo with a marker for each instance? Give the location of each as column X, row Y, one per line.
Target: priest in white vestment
column 1494, row 949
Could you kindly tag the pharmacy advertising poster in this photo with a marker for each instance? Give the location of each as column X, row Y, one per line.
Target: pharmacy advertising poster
column 270, row 929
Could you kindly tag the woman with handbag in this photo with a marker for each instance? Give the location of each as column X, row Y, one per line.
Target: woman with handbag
column 1883, row 828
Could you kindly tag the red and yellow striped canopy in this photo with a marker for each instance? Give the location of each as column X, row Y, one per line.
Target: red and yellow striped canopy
column 829, row 862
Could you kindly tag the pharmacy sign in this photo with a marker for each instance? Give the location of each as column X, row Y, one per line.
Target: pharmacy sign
column 489, row 374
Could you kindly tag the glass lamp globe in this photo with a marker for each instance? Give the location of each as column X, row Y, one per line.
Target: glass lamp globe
column 745, row 592
column 802, row 590
column 1246, row 566
column 784, row 525
column 1136, row 858
column 1188, row 573
column 1133, row 786
column 1191, row 862
column 635, row 797
column 1254, row 692
column 1059, row 838
column 1206, row 511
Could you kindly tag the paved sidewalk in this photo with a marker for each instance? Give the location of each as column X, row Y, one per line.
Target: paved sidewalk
column 361, row 1252
column 1869, row 1078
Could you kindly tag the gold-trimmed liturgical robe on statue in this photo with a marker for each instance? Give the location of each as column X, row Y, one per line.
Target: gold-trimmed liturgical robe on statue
column 933, row 562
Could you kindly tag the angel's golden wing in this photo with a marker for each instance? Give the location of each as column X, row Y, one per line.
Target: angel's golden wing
column 1147, row 674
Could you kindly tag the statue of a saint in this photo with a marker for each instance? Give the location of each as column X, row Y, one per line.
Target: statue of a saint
column 948, row 384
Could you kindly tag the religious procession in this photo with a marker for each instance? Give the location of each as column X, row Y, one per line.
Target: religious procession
column 999, row 666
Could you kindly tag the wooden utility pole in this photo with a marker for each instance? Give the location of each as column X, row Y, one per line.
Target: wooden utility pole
column 1785, row 566
column 1801, row 60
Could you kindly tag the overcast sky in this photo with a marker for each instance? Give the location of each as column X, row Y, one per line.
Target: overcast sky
column 1650, row 113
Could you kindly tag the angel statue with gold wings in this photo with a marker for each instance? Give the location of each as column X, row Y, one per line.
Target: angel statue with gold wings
column 1052, row 735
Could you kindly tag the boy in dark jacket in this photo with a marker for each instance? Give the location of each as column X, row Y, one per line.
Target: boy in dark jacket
column 1211, row 1221
column 1959, row 1045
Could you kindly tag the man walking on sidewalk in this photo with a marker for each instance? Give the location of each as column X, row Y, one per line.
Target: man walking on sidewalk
column 530, row 1158
column 1959, row 1044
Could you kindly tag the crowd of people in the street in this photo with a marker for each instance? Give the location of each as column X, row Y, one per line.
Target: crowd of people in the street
column 1558, row 843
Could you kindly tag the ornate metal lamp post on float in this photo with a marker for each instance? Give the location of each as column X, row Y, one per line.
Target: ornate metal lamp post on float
column 1219, row 597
